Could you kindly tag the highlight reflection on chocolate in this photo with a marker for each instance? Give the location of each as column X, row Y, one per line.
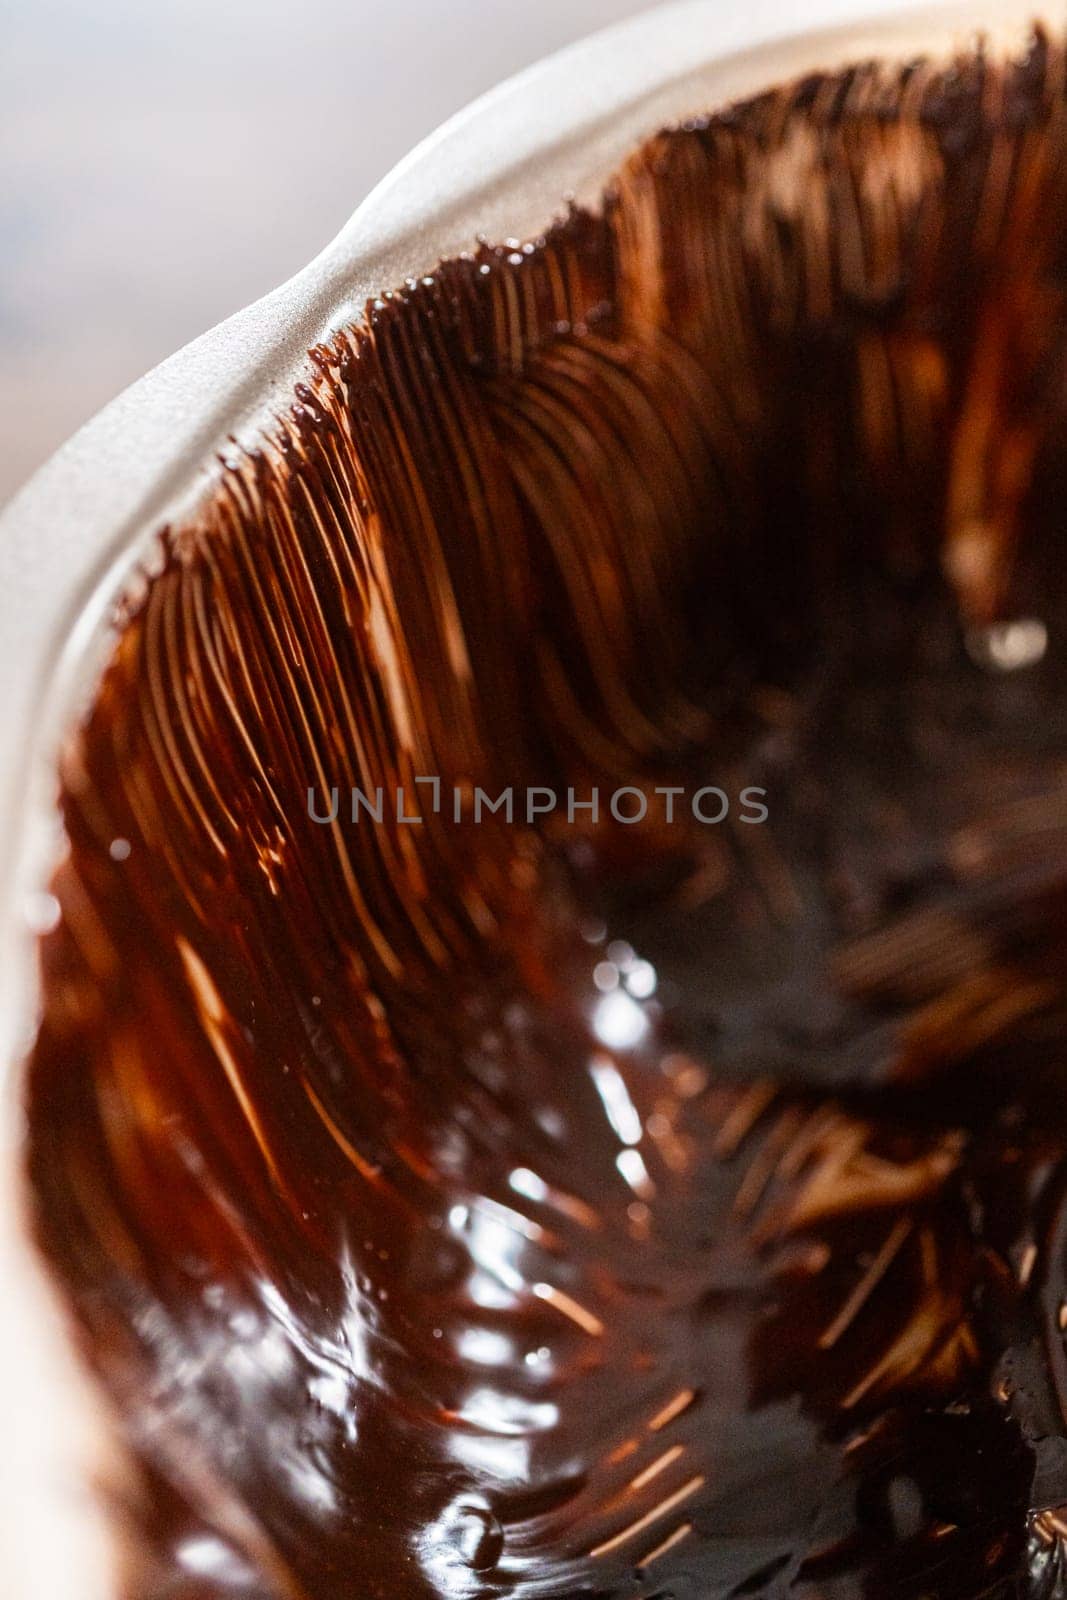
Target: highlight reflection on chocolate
column 424, row 1251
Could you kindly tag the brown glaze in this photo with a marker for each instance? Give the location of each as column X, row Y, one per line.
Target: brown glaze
column 419, row 1260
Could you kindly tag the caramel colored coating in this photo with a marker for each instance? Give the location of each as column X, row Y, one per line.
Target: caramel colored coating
column 584, row 1209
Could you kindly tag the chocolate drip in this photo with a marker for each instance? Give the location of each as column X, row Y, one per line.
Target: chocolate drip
column 425, row 1248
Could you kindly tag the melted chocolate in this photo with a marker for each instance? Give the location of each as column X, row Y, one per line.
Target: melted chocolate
column 423, row 1250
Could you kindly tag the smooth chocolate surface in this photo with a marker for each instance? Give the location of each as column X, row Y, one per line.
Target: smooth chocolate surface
column 585, row 1209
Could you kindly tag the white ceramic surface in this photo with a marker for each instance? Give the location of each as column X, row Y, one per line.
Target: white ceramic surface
column 73, row 536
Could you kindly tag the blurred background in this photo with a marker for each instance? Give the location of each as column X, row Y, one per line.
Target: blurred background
column 164, row 162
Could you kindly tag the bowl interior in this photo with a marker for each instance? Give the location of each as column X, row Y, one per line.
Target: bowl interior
column 461, row 1195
